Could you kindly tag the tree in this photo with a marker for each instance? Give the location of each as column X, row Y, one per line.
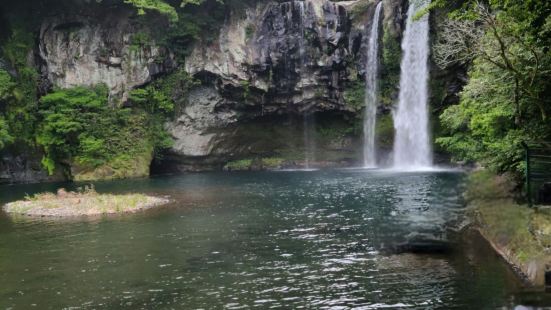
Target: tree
column 162, row 7
column 6, row 85
column 155, row 5
column 506, row 99
column 78, row 126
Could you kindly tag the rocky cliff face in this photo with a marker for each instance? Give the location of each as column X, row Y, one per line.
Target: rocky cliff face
column 290, row 58
column 101, row 45
column 24, row 168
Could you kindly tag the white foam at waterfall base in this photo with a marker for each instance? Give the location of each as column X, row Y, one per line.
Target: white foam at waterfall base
column 412, row 149
column 371, row 91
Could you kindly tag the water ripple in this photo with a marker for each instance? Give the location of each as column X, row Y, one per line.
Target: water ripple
column 238, row 241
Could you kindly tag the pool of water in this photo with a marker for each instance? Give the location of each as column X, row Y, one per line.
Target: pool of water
column 302, row 239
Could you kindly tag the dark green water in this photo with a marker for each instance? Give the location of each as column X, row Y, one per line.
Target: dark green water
column 255, row 240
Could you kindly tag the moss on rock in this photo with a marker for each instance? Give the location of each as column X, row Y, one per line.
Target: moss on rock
column 267, row 163
column 121, row 167
column 354, row 95
column 390, row 67
column 384, row 131
column 515, row 231
column 238, row 165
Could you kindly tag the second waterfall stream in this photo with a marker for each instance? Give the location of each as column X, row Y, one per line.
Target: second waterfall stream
column 371, row 91
column 412, row 148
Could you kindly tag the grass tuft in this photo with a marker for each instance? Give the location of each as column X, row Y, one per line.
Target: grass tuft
column 84, row 201
column 521, row 233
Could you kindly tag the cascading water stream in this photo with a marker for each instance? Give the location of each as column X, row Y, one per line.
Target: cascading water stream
column 371, row 91
column 308, row 145
column 412, row 149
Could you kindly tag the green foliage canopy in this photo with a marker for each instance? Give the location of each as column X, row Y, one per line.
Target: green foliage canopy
column 506, row 99
column 5, row 136
column 19, row 92
column 6, row 91
column 162, row 7
column 78, row 125
column 155, row 5
column 6, row 85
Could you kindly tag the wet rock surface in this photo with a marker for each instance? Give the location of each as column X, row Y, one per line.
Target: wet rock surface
column 24, row 168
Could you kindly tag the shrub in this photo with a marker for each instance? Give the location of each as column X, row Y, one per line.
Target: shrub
column 6, row 85
column 5, row 136
column 242, row 164
column 354, row 95
column 77, row 125
column 19, row 92
column 155, row 5
column 272, row 162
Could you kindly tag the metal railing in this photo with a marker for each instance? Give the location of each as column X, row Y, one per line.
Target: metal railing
column 538, row 172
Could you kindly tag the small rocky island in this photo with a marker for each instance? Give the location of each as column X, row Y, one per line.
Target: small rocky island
column 83, row 202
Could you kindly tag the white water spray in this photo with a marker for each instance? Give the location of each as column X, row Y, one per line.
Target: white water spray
column 412, row 149
column 371, row 91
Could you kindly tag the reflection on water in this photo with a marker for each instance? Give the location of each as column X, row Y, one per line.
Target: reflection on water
column 253, row 240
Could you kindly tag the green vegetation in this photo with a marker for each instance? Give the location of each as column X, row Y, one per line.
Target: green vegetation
column 272, row 162
column 158, row 97
column 86, row 201
column 266, row 163
column 200, row 21
column 384, row 131
column 249, row 31
column 335, row 131
column 390, row 68
column 76, row 128
column 239, row 165
column 190, row 20
column 155, row 5
column 6, row 85
column 506, row 99
column 354, row 95
column 519, row 233
column 6, row 89
column 359, row 10
column 77, row 125
column 5, row 137
column 181, row 35
column 139, row 41
column 18, row 92
column 246, row 85
column 483, row 125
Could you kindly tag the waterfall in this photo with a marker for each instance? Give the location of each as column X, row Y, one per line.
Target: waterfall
column 412, row 148
column 307, row 124
column 371, row 91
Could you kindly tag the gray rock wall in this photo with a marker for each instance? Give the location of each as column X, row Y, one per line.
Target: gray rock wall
column 100, row 46
column 25, row 168
column 289, row 61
